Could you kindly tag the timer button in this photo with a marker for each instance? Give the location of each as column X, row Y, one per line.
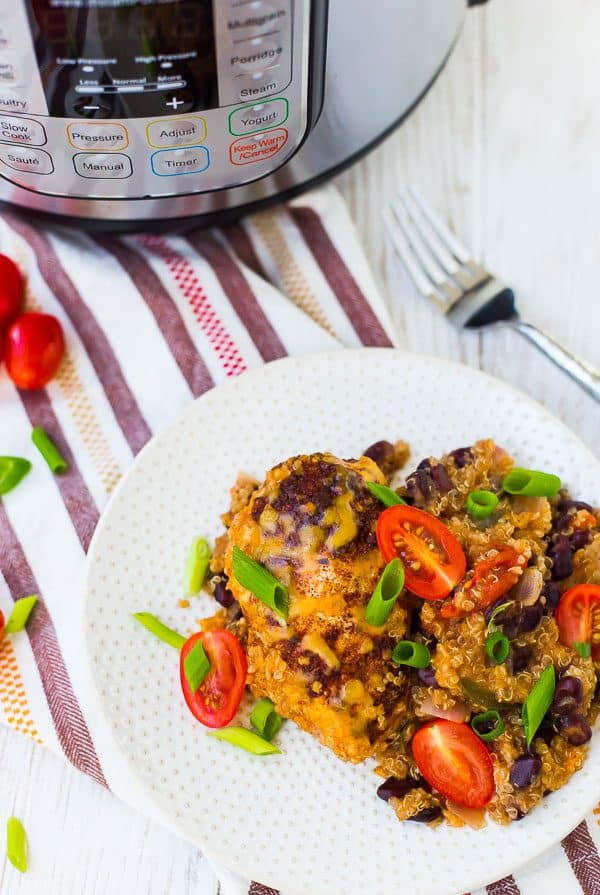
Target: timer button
column 21, row 130
column 173, row 162
column 259, row 117
column 27, row 160
column 95, row 136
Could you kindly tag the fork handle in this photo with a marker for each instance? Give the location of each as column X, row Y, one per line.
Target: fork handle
column 581, row 372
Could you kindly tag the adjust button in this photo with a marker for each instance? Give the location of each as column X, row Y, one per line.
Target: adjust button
column 93, row 135
column 102, row 166
column 259, row 117
column 170, row 162
column 21, row 130
column 168, row 133
column 27, row 160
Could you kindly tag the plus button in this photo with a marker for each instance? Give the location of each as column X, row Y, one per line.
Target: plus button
column 175, row 102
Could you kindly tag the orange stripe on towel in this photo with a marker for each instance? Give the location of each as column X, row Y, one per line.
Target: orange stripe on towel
column 13, row 696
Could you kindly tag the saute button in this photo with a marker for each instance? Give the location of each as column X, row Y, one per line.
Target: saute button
column 94, row 135
column 27, row 160
column 170, row 162
column 259, row 117
column 171, row 132
column 21, row 130
column 102, row 166
column 258, row 147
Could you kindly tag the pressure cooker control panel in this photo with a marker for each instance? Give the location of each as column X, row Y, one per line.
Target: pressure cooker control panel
column 117, row 99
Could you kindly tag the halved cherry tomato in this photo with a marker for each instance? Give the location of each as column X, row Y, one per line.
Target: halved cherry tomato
column 578, row 617
column 433, row 559
column 33, row 350
column 492, row 577
column 218, row 697
column 11, row 291
column 454, row 761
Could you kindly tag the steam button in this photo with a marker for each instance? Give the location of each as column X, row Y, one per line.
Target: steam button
column 96, row 136
column 21, row 130
column 27, row 160
column 260, row 84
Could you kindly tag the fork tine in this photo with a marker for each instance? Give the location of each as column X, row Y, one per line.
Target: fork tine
column 450, row 291
column 404, row 251
column 446, row 235
column 430, row 236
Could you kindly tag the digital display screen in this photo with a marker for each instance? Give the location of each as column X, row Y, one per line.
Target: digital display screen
column 118, row 59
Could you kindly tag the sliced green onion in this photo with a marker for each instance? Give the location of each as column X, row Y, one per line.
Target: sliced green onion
column 20, row 614
column 388, row 589
column 497, row 646
column 480, row 696
column 584, row 649
column 265, row 720
column 245, row 739
column 196, row 566
column 481, row 721
column 196, row 666
column 385, row 494
column 409, row 652
column 491, row 625
column 16, row 844
column 481, row 504
column 261, row 583
column 12, row 470
column 531, row 483
column 538, row 702
column 156, row 627
column 49, row 451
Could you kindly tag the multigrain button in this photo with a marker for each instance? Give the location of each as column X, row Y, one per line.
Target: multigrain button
column 94, row 135
column 171, row 162
column 21, row 130
column 102, row 166
column 168, row 133
column 26, row 159
column 258, row 117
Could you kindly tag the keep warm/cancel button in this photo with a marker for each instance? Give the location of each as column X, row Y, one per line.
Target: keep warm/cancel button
column 258, row 147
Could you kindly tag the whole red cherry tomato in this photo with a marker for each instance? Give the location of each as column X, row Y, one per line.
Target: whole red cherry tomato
column 33, row 350
column 11, row 291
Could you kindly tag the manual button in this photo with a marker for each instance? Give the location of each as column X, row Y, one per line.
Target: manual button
column 169, row 133
column 102, row 166
column 170, row 162
column 97, row 136
column 29, row 161
column 21, row 130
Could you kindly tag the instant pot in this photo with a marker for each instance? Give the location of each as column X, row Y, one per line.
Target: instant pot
column 117, row 114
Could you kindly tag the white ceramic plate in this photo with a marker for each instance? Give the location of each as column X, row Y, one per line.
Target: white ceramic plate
column 305, row 821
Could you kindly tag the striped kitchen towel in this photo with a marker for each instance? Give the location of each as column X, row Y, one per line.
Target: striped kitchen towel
column 152, row 322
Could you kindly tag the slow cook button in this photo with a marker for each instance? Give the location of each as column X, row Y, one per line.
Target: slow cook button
column 21, row 130
column 94, row 135
column 258, row 148
column 259, row 117
column 170, row 162
column 27, row 160
column 168, row 133
column 102, row 166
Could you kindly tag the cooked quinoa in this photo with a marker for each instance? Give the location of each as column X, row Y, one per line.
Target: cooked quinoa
column 312, row 524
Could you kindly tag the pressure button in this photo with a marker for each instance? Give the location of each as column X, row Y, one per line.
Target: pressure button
column 97, row 136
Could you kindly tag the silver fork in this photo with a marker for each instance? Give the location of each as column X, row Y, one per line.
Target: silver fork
column 445, row 272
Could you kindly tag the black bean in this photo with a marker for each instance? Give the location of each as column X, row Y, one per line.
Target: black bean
column 575, row 505
column 518, row 659
column 515, row 623
column 426, row 815
column 574, row 728
column 525, row 771
column 223, row 595
column 424, row 464
column 427, row 677
column 462, row 456
column 551, row 592
column 568, row 694
column 562, row 522
column 580, row 539
column 257, row 507
column 419, row 485
column 394, row 788
column 491, row 609
column 439, row 474
column 560, row 554
column 382, row 453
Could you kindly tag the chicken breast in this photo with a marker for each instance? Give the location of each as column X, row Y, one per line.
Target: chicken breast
column 312, row 524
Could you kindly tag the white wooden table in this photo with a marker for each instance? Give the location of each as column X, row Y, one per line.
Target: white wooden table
column 506, row 144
